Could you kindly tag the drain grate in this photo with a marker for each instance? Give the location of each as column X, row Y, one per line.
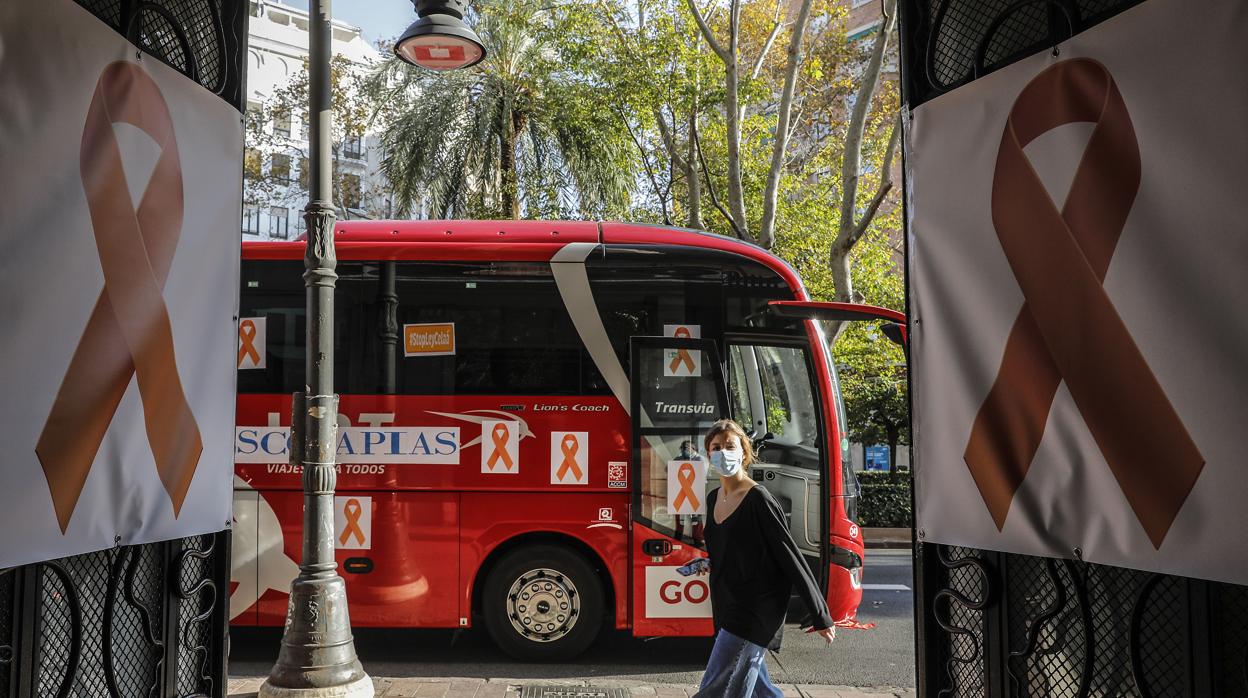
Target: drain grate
column 572, row 692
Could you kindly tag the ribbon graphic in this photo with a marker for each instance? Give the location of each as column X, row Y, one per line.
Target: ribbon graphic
column 682, row 355
column 1068, row 329
column 129, row 331
column 687, row 476
column 499, row 437
column 247, row 337
column 351, row 511
column 568, row 447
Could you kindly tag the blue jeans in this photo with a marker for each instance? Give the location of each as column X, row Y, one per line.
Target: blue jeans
column 736, row 669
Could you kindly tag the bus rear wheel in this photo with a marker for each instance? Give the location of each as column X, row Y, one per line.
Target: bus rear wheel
column 543, row 603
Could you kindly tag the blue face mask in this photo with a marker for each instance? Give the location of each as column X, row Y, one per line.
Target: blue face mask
column 727, row 462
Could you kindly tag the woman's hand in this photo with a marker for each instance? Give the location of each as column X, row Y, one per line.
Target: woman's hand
column 828, row 634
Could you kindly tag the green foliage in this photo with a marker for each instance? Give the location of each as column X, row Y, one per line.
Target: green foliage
column 884, row 502
column 519, row 135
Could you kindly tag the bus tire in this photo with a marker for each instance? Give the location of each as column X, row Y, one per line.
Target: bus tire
column 543, row 603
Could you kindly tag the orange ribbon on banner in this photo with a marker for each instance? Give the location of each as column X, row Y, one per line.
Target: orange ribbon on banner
column 247, row 339
column 687, row 476
column 499, row 436
column 1068, row 329
column 569, row 446
column 351, row 511
column 129, row 331
column 682, row 355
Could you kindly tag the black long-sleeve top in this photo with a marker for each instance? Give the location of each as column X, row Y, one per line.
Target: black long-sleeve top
column 755, row 566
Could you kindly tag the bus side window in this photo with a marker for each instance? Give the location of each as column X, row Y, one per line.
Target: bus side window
column 513, row 335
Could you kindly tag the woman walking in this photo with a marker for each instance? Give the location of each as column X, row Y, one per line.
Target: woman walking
column 755, row 565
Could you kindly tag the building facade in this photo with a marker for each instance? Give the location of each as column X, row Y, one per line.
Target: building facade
column 275, row 174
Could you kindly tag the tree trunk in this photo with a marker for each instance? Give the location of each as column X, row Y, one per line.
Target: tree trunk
column 767, row 226
column 692, row 179
column 507, row 164
column 850, row 230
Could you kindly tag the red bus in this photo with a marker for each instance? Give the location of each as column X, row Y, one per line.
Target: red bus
column 521, row 413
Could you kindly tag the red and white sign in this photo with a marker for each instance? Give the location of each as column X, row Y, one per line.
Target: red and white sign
column 669, row 594
column 1078, row 384
column 617, row 475
column 569, row 458
column 682, row 363
column 121, row 339
column 353, row 522
column 500, row 447
column 251, row 343
column 686, row 487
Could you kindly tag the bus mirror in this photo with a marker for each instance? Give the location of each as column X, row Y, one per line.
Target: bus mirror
column 895, row 332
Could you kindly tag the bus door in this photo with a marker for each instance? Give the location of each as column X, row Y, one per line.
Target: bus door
column 772, row 386
column 678, row 392
column 773, row 396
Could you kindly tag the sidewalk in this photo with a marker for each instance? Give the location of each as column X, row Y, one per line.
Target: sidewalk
column 886, row 537
column 512, row 688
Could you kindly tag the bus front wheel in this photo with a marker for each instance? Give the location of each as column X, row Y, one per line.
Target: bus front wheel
column 543, row 602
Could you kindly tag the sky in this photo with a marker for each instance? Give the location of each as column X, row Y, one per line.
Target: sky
column 377, row 19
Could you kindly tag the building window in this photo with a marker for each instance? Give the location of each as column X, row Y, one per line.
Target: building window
column 281, row 122
column 280, row 167
column 305, row 174
column 251, row 220
column 351, row 191
column 255, row 116
column 251, row 164
column 281, row 222
column 353, row 147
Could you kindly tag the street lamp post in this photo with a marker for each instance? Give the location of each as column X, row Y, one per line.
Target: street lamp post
column 317, row 657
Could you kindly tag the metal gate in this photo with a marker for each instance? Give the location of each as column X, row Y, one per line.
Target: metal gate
column 130, row 622
column 998, row 624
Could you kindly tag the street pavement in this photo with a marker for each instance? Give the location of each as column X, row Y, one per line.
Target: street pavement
column 876, row 662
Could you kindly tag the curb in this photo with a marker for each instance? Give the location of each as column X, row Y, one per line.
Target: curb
column 887, row 538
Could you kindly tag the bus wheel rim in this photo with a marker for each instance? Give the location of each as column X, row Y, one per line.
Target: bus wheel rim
column 543, row 605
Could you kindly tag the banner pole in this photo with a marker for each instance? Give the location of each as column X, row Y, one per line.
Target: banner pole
column 317, row 656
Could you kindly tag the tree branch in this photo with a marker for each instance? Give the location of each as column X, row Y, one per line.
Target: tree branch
column 762, row 56
column 886, row 185
column 710, row 187
column 852, row 159
column 706, row 31
column 645, row 161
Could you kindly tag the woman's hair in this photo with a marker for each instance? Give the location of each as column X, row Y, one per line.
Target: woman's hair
column 727, row 426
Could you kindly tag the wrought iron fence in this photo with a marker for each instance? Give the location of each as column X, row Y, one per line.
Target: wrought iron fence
column 202, row 39
column 1017, row 626
column 948, row 43
column 143, row 621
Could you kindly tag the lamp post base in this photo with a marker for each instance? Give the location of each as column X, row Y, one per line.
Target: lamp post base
column 360, row 688
column 317, row 658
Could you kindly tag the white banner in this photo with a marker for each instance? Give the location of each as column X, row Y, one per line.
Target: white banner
column 121, row 198
column 1076, row 261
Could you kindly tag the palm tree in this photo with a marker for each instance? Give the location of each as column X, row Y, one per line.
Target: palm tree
column 517, row 135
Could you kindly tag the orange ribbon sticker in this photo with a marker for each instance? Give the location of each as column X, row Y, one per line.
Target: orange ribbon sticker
column 247, row 342
column 351, row 512
column 569, row 447
column 129, row 332
column 687, row 477
column 1068, row 329
column 682, row 355
column 499, row 435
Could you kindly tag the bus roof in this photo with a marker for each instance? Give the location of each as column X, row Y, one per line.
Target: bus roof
column 509, row 240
